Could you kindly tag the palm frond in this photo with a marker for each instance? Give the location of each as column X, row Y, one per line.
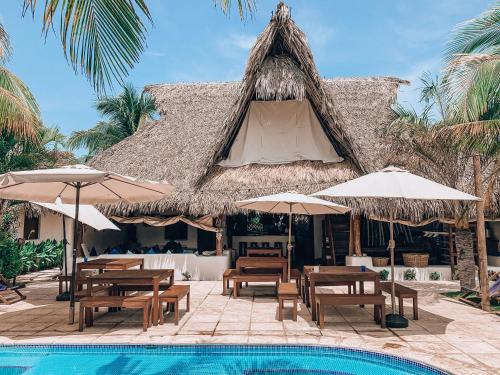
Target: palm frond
column 245, row 7
column 478, row 136
column 478, row 35
column 103, row 135
column 102, row 39
column 19, row 112
column 5, row 47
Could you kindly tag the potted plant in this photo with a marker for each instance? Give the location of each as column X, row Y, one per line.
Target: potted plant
column 410, row 274
column 384, row 275
column 434, row 276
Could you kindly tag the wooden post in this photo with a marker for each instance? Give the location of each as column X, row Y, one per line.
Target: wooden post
column 481, row 235
column 218, row 236
column 330, row 239
column 451, row 249
column 351, row 235
column 357, row 235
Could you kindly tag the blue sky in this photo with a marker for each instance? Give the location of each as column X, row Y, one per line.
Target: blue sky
column 192, row 41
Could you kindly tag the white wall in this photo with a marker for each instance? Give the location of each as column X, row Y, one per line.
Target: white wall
column 51, row 227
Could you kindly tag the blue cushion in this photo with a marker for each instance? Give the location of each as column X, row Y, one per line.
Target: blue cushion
column 151, row 251
column 115, row 251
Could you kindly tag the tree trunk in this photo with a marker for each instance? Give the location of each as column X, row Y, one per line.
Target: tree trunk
column 466, row 266
column 481, row 236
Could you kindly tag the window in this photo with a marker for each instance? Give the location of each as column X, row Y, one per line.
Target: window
column 31, row 228
column 177, row 231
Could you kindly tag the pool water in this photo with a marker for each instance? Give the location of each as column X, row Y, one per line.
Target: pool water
column 201, row 360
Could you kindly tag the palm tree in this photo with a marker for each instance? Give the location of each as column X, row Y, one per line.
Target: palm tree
column 124, row 114
column 417, row 143
column 19, row 112
column 472, row 80
column 105, row 39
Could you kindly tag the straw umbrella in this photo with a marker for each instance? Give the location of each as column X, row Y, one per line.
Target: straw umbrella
column 78, row 184
column 291, row 203
column 394, row 183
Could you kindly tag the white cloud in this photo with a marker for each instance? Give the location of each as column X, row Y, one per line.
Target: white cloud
column 155, row 53
column 241, row 41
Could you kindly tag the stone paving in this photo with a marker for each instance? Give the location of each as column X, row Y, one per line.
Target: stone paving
column 453, row 336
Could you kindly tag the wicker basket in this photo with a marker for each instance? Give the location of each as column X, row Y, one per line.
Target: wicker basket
column 416, row 259
column 380, row 261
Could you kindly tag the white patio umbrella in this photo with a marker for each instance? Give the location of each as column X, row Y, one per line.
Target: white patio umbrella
column 394, row 183
column 78, row 184
column 292, row 203
column 87, row 214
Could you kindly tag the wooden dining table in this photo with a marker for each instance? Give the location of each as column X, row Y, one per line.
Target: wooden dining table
column 263, row 263
column 139, row 278
column 336, row 275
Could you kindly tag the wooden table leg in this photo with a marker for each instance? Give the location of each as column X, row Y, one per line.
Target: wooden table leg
column 156, row 298
column 362, row 290
column 313, row 301
column 401, row 306
column 88, row 310
column 415, row 308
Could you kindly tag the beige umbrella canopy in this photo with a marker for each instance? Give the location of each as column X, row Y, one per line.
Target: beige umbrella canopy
column 78, row 184
column 394, row 183
column 292, row 203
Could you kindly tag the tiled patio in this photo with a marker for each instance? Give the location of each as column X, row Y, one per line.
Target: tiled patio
column 450, row 335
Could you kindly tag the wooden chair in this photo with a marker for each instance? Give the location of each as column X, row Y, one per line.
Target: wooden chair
column 287, row 292
column 402, row 292
column 132, row 302
column 173, row 295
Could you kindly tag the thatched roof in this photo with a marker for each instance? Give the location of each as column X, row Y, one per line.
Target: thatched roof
column 199, row 122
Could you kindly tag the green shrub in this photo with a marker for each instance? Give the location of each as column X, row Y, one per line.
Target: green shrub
column 37, row 257
column 410, row 274
column 384, row 275
column 434, row 276
column 10, row 262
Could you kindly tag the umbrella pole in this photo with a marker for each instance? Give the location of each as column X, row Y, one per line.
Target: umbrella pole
column 289, row 247
column 65, row 255
column 393, row 320
column 392, row 245
column 73, row 268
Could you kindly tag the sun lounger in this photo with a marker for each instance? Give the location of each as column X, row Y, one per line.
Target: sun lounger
column 494, row 292
column 10, row 295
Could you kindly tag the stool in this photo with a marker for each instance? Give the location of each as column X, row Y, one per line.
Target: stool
column 287, row 292
column 173, row 295
column 226, row 277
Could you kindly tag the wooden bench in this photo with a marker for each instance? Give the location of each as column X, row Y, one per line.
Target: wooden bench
column 226, row 277
column 173, row 295
column 287, row 292
column 378, row 300
column 132, row 302
column 296, row 275
column 260, row 277
column 402, row 292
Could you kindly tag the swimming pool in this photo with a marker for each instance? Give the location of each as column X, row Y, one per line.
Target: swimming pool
column 201, row 360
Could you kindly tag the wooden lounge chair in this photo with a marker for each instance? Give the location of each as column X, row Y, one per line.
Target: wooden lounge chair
column 494, row 292
column 10, row 294
column 402, row 292
column 132, row 302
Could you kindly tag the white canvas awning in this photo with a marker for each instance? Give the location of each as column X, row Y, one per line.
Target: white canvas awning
column 88, row 214
column 280, row 132
column 204, row 222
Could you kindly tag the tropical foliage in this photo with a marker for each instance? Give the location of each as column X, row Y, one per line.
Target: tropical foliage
column 105, row 39
column 10, row 262
column 124, row 114
column 19, row 112
column 44, row 255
